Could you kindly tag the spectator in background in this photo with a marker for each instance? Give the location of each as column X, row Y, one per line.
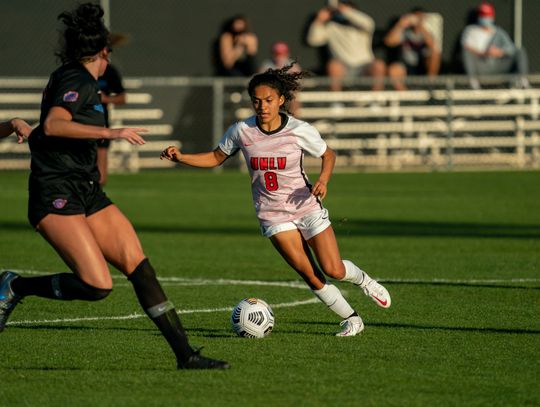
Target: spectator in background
column 416, row 50
column 237, row 48
column 112, row 92
column 280, row 56
column 488, row 50
column 348, row 34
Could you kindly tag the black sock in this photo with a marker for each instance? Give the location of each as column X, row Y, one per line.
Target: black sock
column 62, row 286
column 160, row 310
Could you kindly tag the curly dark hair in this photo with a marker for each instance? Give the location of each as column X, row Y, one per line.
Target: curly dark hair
column 286, row 82
column 84, row 33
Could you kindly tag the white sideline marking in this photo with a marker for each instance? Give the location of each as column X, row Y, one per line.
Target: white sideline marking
column 181, row 281
column 300, row 284
column 178, row 281
column 136, row 315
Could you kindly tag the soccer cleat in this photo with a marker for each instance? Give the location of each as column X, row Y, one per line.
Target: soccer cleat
column 377, row 292
column 8, row 299
column 352, row 326
column 197, row 361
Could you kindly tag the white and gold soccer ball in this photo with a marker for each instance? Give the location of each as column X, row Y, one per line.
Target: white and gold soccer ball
column 252, row 318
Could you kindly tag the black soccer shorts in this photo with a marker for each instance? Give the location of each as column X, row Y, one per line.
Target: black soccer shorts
column 67, row 196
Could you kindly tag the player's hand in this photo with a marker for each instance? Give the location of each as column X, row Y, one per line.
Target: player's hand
column 171, row 153
column 319, row 189
column 21, row 129
column 131, row 134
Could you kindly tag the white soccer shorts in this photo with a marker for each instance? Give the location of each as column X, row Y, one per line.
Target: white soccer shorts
column 309, row 225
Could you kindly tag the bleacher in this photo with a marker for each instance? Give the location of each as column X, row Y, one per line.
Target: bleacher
column 22, row 98
column 426, row 128
column 438, row 124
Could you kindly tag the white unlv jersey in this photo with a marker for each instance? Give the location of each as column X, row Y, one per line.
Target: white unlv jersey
column 281, row 189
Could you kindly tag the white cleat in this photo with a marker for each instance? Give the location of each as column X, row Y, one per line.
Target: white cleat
column 377, row 292
column 352, row 326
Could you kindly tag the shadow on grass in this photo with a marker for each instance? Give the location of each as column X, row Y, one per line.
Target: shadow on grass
column 459, row 284
column 206, row 332
column 426, row 327
column 50, row 327
column 355, row 227
column 458, row 328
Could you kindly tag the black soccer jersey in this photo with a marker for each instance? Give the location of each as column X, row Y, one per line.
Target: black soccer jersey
column 75, row 89
column 110, row 83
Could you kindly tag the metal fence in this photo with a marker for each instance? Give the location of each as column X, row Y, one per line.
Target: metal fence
column 439, row 124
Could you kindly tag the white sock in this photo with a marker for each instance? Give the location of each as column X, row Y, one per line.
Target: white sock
column 332, row 297
column 352, row 273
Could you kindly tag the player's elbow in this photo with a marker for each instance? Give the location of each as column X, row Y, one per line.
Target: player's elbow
column 49, row 126
column 329, row 154
column 219, row 157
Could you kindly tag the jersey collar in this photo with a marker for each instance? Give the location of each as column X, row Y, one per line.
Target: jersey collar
column 284, row 121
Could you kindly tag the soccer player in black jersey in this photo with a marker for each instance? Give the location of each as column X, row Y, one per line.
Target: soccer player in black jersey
column 66, row 203
column 112, row 92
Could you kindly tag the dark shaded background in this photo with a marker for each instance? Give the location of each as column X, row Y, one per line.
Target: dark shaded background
column 175, row 37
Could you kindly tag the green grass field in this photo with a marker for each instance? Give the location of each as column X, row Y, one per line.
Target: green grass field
column 459, row 252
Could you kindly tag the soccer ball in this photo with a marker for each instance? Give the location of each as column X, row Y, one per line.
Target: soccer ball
column 252, row 318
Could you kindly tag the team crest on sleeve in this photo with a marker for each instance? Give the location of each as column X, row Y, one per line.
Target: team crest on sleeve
column 71, row 96
column 59, row 203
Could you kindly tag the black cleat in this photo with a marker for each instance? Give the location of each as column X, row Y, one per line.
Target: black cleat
column 8, row 299
column 197, row 361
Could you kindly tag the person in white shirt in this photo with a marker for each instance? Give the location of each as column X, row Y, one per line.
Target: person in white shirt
column 488, row 50
column 348, row 34
column 288, row 206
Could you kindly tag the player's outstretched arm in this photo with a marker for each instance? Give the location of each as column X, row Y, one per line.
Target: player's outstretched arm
column 203, row 160
column 19, row 126
column 59, row 123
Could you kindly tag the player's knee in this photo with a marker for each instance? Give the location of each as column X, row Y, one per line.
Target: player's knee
column 92, row 293
column 335, row 270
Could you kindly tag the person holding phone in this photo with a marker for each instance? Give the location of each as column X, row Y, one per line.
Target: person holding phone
column 347, row 33
column 415, row 51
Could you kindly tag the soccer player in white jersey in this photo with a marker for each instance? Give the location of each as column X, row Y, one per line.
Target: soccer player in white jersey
column 288, row 206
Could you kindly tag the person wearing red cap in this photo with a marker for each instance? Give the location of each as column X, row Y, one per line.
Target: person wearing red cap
column 488, row 50
column 280, row 56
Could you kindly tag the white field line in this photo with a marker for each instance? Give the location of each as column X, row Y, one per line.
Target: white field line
column 136, row 315
column 180, row 281
column 301, row 285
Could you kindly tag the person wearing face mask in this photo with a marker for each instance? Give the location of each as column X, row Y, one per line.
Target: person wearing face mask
column 488, row 50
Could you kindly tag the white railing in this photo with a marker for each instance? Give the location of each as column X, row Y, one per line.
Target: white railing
column 438, row 124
